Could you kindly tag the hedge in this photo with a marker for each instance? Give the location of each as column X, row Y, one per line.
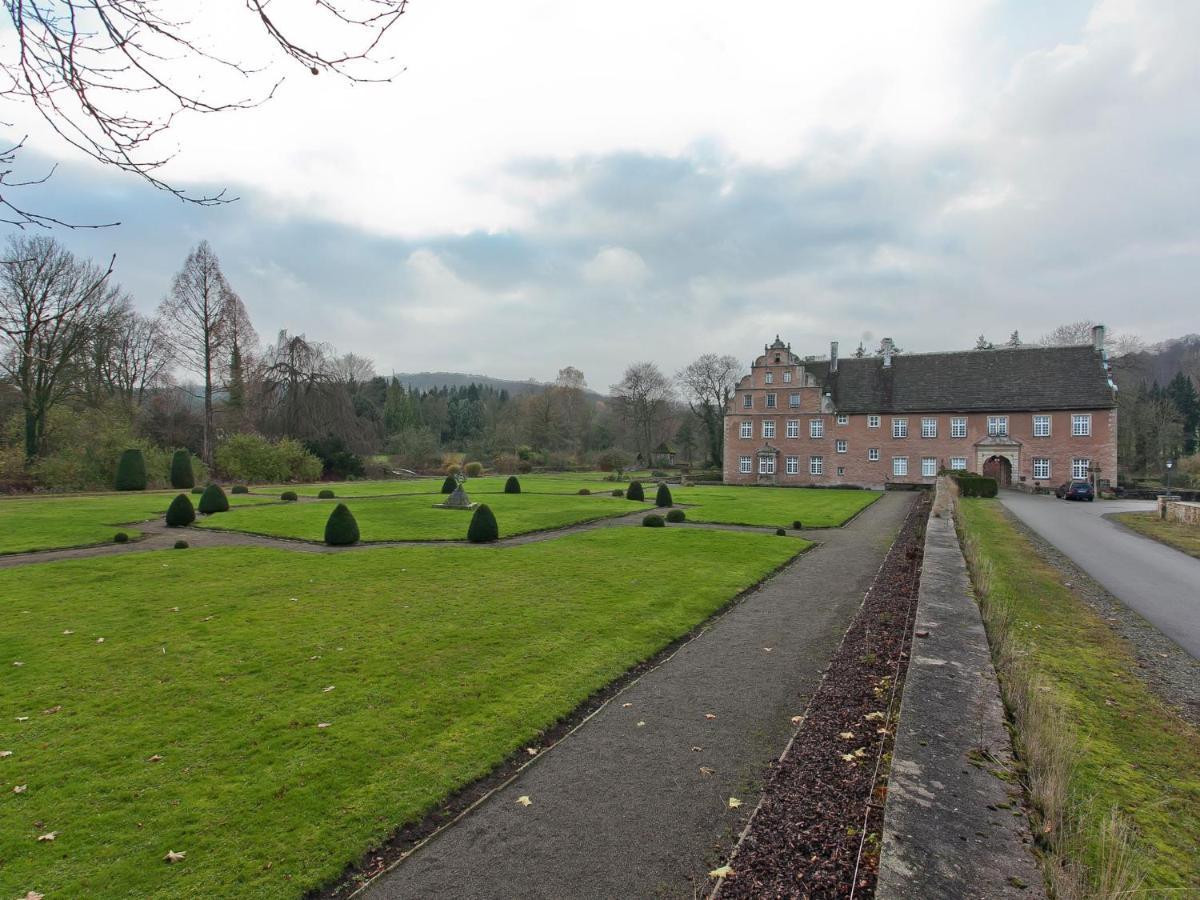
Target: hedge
column 289, row 496
column 341, row 529
column 325, row 494
column 971, row 485
column 131, row 471
column 182, row 475
column 654, row 520
column 676, row 515
column 180, row 512
column 483, row 528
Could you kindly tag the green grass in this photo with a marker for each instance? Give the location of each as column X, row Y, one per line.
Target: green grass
column 489, row 484
column 43, row 523
column 1133, row 753
column 777, row 507
column 414, row 518
column 1173, row 534
column 443, row 662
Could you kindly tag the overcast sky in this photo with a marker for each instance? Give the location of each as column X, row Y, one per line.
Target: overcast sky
column 555, row 182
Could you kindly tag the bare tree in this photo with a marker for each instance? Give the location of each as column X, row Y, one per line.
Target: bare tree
column 644, row 397
column 353, row 369
column 131, row 354
column 242, row 341
column 708, row 384
column 306, row 396
column 1068, row 334
column 196, row 313
column 50, row 306
column 110, row 77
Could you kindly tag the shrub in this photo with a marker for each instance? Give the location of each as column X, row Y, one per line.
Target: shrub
column 654, row 520
column 131, row 471
column 584, row 491
column 239, row 489
column 781, row 532
column 197, row 490
column 473, row 469
column 336, row 458
column 452, row 469
column 676, row 515
column 213, row 500
column 248, row 457
column 613, row 461
column 634, row 491
column 325, row 494
column 180, row 512
column 797, row 524
column 971, row 485
column 341, row 530
column 663, row 497
column 449, row 485
column 618, row 493
column 512, row 485
column 415, row 448
column 120, row 538
column 182, row 475
column 524, row 466
column 483, row 528
column 289, row 496
column 658, row 474
column 181, row 545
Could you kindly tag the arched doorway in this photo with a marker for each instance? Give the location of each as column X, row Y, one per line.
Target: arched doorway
column 1000, row 468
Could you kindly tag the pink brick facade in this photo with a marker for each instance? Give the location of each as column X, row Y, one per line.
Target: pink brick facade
column 790, row 432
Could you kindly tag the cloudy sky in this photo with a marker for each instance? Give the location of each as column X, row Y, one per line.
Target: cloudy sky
column 556, row 182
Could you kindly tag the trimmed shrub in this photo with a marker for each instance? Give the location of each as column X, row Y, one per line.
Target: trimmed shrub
column 780, row 532
column 325, row 494
column 181, row 545
column 341, row 530
column 676, row 515
column 182, row 475
column 971, row 485
column 131, row 471
column 797, row 524
column 181, row 512
column 663, row 497
column 512, row 486
column 618, row 493
column 584, row 491
column 634, row 491
column 474, row 469
column 120, row 538
column 483, row 528
column 289, row 496
column 213, row 500
column 449, row 485
column 654, row 520
column 239, row 489
column 197, row 490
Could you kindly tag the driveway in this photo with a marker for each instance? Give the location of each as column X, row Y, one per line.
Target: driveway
column 1160, row 583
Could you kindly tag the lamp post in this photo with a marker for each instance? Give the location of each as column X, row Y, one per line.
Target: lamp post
column 1170, row 465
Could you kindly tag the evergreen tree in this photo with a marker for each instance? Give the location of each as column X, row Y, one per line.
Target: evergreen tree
column 1182, row 393
column 180, row 513
column 181, row 470
column 131, row 471
column 341, row 529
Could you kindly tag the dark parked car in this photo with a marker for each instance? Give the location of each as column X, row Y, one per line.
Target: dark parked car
column 1075, row 490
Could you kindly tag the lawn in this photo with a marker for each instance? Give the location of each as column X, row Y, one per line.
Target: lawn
column 775, row 507
column 553, row 483
column 47, row 522
column 1134, row 754
column 194, row 726
column 414, row 518
column 1173, row 534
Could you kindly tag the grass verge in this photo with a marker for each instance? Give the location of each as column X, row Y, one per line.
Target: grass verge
column 1113, row 774
column 1173, row 534
column 773, row 507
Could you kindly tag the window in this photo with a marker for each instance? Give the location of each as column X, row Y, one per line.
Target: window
column 928, row 466
column 766, row 465
column 816, row 428
column 899, row 428
column 744, row 465
column 997, row 425
column 1041, row 427
column 872, row 421
column 843, row 419
column 873, row 454
column 1041, row 467
column 816, row 465
column 1080, row 468
column 793, row 428
column 899, row 465
column 747, row 430
column 1081, row 426
column 768, row 378
column 747, row 401
column 793, row 465
column 770, row 401
column 841, row 446
column 958, row 463
column 787, row 376
column 768, row 428
column 841, row 471
column 928, row 428
column 958, row 426
column 793, row 400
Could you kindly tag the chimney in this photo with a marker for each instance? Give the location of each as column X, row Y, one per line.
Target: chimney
column 1098, row 338
column 832, row 356
column 887, row 353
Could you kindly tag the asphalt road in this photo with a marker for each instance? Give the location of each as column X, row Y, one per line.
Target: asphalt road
column 1158, row 582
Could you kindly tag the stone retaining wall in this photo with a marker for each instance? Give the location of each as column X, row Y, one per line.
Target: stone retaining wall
column 1179, row 511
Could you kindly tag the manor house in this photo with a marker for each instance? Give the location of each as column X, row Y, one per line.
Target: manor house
column 1030, row 416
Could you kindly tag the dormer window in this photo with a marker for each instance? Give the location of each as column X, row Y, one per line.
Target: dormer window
column 776, row 357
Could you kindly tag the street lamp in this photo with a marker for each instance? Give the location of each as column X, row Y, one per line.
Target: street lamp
column 1170, row 465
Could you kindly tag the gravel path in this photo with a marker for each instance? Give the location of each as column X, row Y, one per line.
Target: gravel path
column 636, row 802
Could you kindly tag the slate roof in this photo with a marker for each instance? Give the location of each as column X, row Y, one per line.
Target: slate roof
column 1017, row 378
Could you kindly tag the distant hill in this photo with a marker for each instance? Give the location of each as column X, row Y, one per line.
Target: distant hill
column 1160, row 362
column 426, row 381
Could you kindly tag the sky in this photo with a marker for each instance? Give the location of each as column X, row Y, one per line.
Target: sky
column 559, row 183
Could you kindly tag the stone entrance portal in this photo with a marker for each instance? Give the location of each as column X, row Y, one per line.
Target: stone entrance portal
column 1000, row 468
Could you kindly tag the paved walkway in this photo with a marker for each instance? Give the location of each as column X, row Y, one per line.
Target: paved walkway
column 636, row 802
column 1157, row 581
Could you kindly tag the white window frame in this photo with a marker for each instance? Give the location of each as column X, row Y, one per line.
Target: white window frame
column 766, row 465
column 997, row 426
column 958, row 427
column 899, row 426
column 793, row 428
column 747, row 401
column 874, row 421
column 745, row 465
column 873, row 454
column 928, row 428
column 792, row 465
column 1041, row 468
column 843, row 419
column 841, row 470
column 794, row 400
column 958, row 463
column 769, row 378
column 746, row 430
column 841, row 445
column 1080, row 468
column 1081, row 425
column 787, row 376
column 1041, row 426
column 899, row 466
column 816, row 428
column 768, row 428
column 771, row 401
column 928, row 466
column 816, row 465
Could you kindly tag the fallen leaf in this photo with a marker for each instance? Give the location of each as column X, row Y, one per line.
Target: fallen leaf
column 871, row 716
column 697, row 749
column 734, row 802
column 157, row 757
column 532, row 751
column 922, row 634
column 173, row 857
column 723, row 872
column 68, row 631
column 709, row 716
column 768, row 649
column 174, row 609
column 640, row 724
column 847, row 735
column 33, row 895
column 322, row 724
column 18, row 663
column 4, row 753
column 524, row 800
column 22, row 718
column 860, row 752
column 706, row 771
column 99, row 640
column 848, row 757
column 51, row 711
column 626, row 705
column 48, row 836
column 796, row 720
column 20, row 788
column 327, row 690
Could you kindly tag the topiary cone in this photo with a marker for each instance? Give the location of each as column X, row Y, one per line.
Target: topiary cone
column 663, row 498
column 181, row 512
column 131, row 471
column 634, row 491
column 341, row 530
column 512, row 486
column 483, row 528
column 213, row 500
column 181, row 470
column 449, row 485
